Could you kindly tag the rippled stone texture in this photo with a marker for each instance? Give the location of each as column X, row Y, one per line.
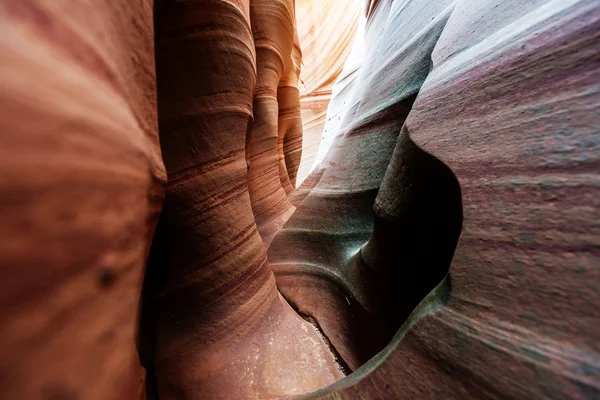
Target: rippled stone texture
column 83, row 183
column 289, row 141
column 315, row 256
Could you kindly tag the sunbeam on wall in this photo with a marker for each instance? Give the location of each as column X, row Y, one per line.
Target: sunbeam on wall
column 326, row 30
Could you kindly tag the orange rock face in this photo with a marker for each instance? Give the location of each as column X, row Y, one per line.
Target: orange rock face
column 289, row 145
column 153, row 244
column 83, row 183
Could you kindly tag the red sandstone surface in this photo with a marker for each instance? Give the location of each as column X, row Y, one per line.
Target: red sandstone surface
column 154, row 246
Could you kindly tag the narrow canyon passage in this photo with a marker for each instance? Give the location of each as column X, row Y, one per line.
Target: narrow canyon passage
column 288, row 199
column 220, row 326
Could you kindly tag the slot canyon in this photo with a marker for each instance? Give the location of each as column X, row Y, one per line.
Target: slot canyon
column 299, row 199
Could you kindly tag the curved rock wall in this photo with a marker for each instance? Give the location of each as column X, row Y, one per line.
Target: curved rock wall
column 222, row 329
column 81, row 185
column 499, row 146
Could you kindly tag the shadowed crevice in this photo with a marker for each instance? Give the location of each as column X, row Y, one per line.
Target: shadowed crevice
column 417, row 223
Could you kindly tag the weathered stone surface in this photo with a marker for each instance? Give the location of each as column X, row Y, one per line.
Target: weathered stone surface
column 289, row 144
column 81, row 202
column 315, row 256
column 273, row 29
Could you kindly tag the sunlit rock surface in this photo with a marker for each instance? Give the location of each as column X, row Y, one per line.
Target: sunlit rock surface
column 326, row 29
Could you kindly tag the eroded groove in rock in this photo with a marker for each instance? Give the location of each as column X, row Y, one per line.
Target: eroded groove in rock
column 480, row 113
column 289, row 145
column 342, row 365
column 418, row 218
column 335, row 219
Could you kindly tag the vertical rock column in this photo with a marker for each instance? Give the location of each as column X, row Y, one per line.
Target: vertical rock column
column 289, row 145
column 273, row 29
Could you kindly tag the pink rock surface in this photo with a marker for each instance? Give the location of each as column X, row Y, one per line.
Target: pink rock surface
column 500, row 147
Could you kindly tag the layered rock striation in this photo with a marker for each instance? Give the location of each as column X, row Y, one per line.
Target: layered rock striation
column 222, row 330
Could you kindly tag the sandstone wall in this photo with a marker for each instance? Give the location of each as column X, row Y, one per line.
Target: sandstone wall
column 445, row 246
